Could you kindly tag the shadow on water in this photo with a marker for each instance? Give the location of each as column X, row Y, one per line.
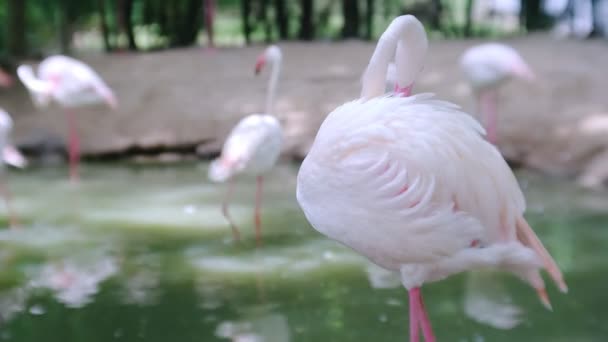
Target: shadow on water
column 134, row 254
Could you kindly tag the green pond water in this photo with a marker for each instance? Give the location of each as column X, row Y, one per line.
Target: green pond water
column 137, row 253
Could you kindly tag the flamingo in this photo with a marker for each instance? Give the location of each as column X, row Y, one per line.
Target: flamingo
column 486, row 67
column 411, row 184
column 253, row 146
column 72, row 84
column 10, row 156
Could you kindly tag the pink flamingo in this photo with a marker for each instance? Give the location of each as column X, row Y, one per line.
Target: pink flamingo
column 410, row 183
column 72, row 84
column 487, row 67
column 253, row 146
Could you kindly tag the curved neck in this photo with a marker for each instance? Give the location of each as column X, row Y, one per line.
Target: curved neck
column 403, row 41
column 272, row 85
column 31, row 82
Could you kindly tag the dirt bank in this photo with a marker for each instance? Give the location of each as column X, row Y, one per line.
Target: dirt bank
column 185, row 98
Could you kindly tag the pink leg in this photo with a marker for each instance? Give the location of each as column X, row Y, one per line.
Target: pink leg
column 419, row 312
column 414, row 332
column 235, row 231
column 73, row 146
column 258, row 207
column 12, row 217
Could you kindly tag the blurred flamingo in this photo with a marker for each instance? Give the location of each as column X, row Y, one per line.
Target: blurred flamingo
column 72, row 84
column 253, row 146
column 10, row 156
column 487, row 67
column 410, row 183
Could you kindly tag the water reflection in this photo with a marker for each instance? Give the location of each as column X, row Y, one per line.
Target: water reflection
column 120, row 270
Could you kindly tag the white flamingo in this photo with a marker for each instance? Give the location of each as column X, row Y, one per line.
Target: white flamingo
column 410, row 183
column 253, row 146
column 10, row 156
column 72, row 84
column 486, row 67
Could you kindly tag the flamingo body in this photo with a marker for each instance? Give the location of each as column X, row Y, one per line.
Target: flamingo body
column 252, row 147
column 490, row 65
column 68, row 81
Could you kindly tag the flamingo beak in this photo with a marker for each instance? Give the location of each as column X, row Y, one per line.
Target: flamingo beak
column 524, row 72
column 259, row 64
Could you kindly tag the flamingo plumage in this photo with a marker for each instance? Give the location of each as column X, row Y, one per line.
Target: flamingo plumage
column 487, row 67
column 411, row 183
column 72, row 84
column 10, row 156
column 253, row 146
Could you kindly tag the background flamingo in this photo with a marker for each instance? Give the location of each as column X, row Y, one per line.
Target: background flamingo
column 487, row 67
column 72, row 84
column 253, row 146
column 411, row 183
column 11, row 156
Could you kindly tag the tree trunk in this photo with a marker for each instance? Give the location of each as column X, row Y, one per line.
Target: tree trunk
column 263, row 16
column 307, row 30
column 245, row 13
column 65, row 27
column 436, row 11
column 17, row 44
column 534, row 17
column 468, row 24
column 124, row 11
column 369, row 19
column 282, row 18
column 103, row 25
column 209, row 18
column 350, row 11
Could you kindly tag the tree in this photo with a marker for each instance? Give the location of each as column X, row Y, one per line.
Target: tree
column 282, row 18
column 468, row 24
column 125, row 22
column 436, row 11
column 103, row 25
column 17, row 44
column 350, row 11
column 534, row 17
column 307, row 31
column 369, row 19
column 245, row 13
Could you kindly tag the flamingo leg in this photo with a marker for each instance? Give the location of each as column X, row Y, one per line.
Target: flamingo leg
column 235, row 231
column 73, row 146
column 6, row 194
column 258, row 207
column 419, row 315
column 414, row 331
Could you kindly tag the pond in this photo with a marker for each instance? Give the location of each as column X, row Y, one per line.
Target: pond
column 142, row 253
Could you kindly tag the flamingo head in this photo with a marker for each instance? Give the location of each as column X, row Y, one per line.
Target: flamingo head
column 522, row 70
column 272, row 54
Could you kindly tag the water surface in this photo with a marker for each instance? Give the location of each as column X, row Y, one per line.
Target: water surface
column 143, row 254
